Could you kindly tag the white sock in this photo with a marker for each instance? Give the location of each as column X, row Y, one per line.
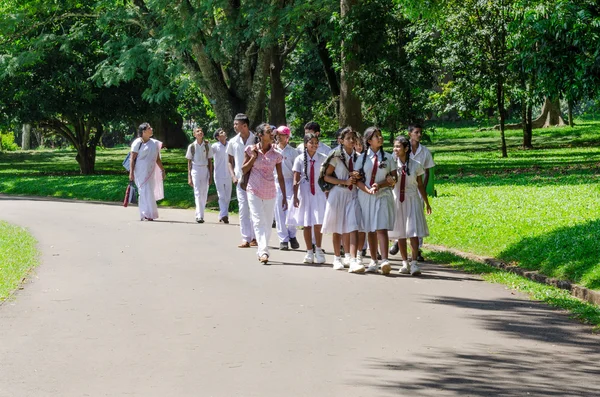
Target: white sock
column 319, row 249
column 336, row 257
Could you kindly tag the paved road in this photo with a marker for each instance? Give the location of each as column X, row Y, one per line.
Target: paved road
column 120, row 307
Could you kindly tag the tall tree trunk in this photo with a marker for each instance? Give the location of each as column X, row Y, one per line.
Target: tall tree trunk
column 527, row 125
column 26, row 140
column 551, row 115
column 350, row 105
column 86, row 157
column 328, row 69
column 168, row 128
column 277, row 102
column 571, row 122
column 501, row 111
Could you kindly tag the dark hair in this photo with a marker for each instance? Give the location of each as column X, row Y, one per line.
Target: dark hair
column 313, row 126
column 243, row 118
column 260, row 131
column 307, row 138
column 404, row 141
column 367, row 136
column 413, row 126
column 345, row 131
column 217, row 133
column 143, row 127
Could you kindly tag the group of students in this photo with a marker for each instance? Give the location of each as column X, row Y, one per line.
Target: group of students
column 372, row 196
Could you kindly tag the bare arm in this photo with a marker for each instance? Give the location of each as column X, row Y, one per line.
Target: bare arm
column 249, row 161
column 335, row 181
column 296, row 186
column 231, row 167
column 132, row 165
column 421, row 188
column 190, row 182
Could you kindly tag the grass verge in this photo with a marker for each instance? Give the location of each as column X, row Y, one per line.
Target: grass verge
column 556, row 297
column 18, row 255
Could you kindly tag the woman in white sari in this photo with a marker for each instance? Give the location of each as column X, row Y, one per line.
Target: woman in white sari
column 148, row 172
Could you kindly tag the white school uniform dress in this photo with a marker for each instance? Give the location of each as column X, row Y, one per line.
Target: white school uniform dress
column 341, row 209
column 410, row 218
column 236, row 148
column 377, row 210
column 311, row 209
column 202, row 155
column 285, row 231
column 147, row 176
column 222, row 177
column 323, row 148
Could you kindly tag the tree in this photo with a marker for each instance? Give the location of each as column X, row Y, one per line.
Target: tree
column 350, row 104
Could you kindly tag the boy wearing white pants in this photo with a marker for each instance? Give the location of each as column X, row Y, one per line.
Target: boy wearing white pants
column 286, row 233
column 222, row 176
column 199, row 155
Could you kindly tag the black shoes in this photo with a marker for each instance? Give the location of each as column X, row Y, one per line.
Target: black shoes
column 294, row 243
column 394, row 250
column 199, row 220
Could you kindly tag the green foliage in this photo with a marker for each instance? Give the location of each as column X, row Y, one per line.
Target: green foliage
column 18, row 255
column 8, row 142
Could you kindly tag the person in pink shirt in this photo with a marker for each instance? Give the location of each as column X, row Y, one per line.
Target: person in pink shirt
column 261, row 160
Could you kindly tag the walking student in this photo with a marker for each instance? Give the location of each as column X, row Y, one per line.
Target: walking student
column 235, row 150
column 375, row 197
column 312, row 127
column 341, row 210
column 147, row 171
column 285, row 232
column 222, row 177
column 423, row 156
column 410, row 220
column 200, row 168
column 261, row 160
column 309, row 200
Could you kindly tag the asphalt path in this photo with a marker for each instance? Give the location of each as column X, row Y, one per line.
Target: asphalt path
column 120, row 307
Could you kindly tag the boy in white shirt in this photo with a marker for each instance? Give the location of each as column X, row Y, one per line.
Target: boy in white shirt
column 286, row 234
column 314, row 128
column 199, row 155
column 222, row 177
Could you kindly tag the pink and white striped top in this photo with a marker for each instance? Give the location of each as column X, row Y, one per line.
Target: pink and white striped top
column 262, row 178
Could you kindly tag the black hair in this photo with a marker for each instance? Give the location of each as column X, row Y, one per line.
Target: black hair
column 307, row 138
column 217, row 133
column 367, row 136
column 260, row 131
column 345, row 131
column 313, row 126
column 404, row 141
column 243, row 118
column 143, row 127
column 414, row 126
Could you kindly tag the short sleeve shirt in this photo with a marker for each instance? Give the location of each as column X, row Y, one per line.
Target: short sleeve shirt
column 383, row 168
column 287, row 163
column 201, row 155
column 323, row 148
column 424, row 157
column 262, row 180
column 236, row 148
column 221, row 159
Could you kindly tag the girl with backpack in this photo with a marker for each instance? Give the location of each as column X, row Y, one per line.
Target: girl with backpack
column 341, row 210
column 375, row 197
column 309, row 200
column 410, row 220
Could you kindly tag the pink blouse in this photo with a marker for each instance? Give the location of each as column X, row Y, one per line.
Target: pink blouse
column 262, row 180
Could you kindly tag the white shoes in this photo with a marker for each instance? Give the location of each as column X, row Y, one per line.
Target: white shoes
column 415, row 270
column 319, row 256
column 337, row 263
column 346, row 260
column 385, row 266
column 405, row 269
column 356, row 267
column 309, row 257
column 359, row 257
column 373, row 267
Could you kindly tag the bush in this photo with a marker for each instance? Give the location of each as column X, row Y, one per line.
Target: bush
column 8, row 142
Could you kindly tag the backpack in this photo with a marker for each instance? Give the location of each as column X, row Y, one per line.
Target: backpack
column 193, row 148
column 326, row 186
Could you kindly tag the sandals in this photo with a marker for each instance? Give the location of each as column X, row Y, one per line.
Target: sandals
column 264, row 259
column 244, row 244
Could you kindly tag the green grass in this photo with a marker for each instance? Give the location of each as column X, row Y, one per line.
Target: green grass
column 556, row 297
column 18, row 255
column 537, row 208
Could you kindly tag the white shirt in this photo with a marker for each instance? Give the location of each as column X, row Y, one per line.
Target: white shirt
column 201, row 157
column 423, row 156
column 221, row 159
column 287, row 163
column 323, row 148
column 236, row 148
column 382, row 171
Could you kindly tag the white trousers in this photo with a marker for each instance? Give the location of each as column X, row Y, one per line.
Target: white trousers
column 262, row 218
column 200, row 181
column 284, row 232
column 246, row 228
column 224, row 187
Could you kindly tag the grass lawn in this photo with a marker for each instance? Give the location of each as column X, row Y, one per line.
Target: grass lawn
column 18, row 255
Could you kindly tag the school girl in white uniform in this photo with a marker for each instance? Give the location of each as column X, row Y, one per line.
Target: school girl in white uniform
column 340, row 212
column 285, row 231
column 199, row 155
column 309, row 200
column 222, row 177
column 375, row 197
column 410, row 220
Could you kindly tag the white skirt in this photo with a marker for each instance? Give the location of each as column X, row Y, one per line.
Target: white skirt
column 410, row 219
column 311, row 210
column 377, row 210
column 341, row 211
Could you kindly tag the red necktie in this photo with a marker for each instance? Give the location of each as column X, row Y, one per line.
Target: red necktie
column 374, row 172
column 402, row 183
column 312, row 177
column 350, row 169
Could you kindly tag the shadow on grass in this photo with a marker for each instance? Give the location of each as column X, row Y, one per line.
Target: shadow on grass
column 570, row 253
